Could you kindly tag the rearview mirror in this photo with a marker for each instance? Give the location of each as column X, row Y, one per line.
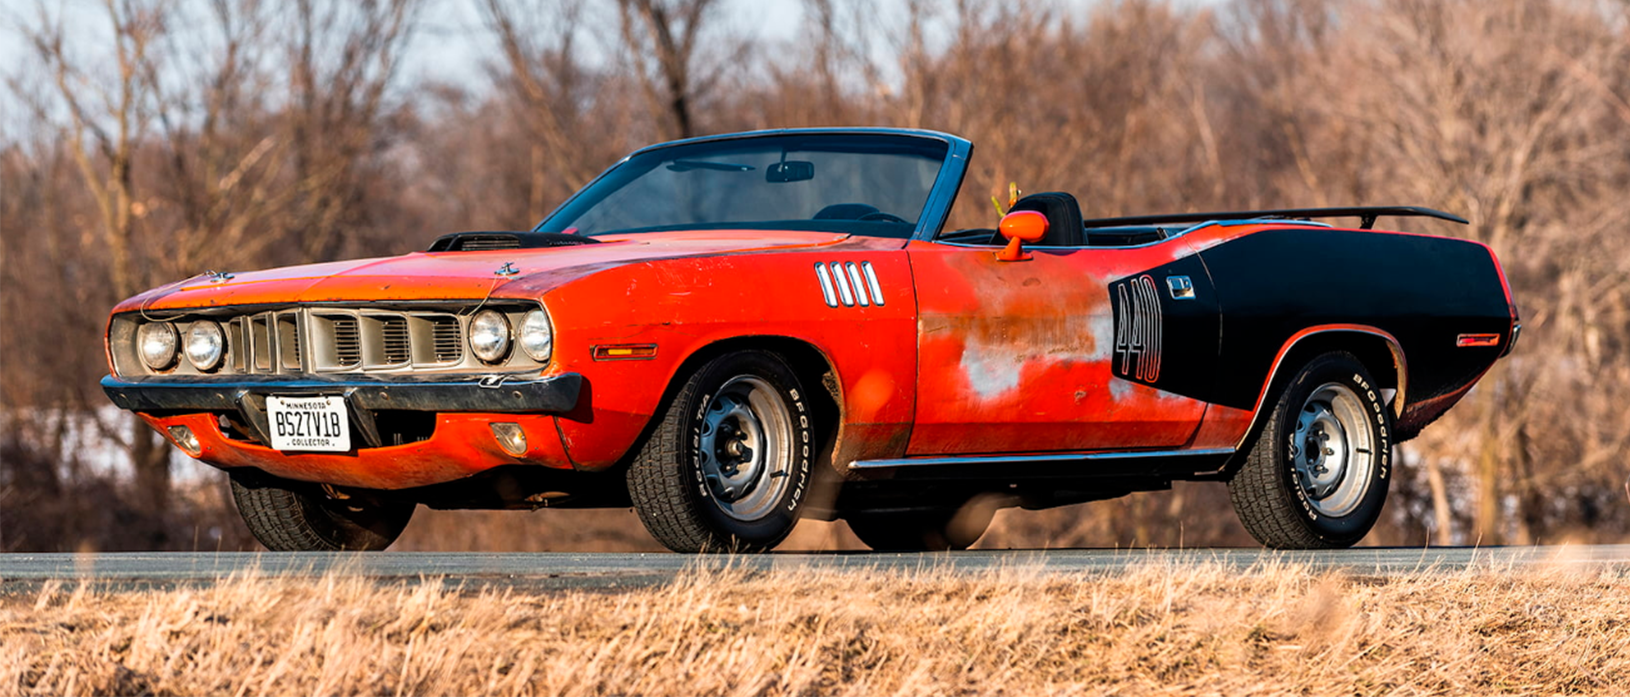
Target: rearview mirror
column 790, row 171
column 1020, row 227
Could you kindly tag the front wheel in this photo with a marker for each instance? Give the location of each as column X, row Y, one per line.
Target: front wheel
column 728, row 464
column 288, row 516
column 1317, row 476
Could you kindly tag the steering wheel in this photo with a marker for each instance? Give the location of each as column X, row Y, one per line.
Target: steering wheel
column 881, row 217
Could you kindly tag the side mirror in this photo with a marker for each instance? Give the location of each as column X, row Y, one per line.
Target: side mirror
column 1020, row 227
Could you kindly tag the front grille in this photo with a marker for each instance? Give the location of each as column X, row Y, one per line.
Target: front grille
column 447, row 339
column 347, row 342
column 325, row 339
column 394, row 339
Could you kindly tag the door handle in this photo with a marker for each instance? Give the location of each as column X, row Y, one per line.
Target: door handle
column 1181, row 287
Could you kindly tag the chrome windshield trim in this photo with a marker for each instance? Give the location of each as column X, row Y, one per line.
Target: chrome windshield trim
column 1054, row 458
column 935, row 210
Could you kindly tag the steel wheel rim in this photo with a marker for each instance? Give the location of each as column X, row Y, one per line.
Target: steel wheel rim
column 1332, row 450
column 745, row 448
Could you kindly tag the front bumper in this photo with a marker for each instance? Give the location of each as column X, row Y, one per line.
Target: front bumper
column 246, row 395
column 493, row 394
column 461, row 444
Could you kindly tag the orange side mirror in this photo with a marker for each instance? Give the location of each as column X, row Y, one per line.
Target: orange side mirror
column 1020, row 227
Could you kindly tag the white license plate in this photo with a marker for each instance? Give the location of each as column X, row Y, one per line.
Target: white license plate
column 309, row 423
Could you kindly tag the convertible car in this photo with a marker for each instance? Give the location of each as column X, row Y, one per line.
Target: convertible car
column 732, row 333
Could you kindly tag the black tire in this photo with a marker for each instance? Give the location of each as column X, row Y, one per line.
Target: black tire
column 1291, row 495
column 922, row 531
column 721, row 500
column 298, row 517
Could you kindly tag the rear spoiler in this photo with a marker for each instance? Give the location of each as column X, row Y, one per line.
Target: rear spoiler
column 1366, row 214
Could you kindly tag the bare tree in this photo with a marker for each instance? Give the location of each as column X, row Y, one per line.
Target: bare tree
column 661, row 39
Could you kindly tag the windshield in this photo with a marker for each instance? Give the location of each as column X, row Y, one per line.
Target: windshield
column 865, row 184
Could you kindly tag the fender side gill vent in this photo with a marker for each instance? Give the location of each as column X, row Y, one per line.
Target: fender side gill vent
column 849, row 284
column 491, row 241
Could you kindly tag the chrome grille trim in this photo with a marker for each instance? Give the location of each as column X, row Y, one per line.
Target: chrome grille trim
column 324, row 339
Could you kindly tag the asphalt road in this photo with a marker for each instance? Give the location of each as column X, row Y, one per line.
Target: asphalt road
column 21, row 572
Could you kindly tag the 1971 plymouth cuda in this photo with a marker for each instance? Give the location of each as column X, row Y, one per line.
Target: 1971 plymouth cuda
column 734, row 332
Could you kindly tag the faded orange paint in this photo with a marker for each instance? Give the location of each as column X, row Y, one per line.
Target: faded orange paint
column 1017, row 357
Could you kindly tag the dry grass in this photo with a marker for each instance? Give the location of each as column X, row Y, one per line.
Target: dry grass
column 1154, row 630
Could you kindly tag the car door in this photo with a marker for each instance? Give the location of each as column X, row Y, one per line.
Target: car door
column 1066, row 351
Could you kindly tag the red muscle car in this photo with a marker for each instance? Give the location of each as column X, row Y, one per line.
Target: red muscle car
column 734, row 332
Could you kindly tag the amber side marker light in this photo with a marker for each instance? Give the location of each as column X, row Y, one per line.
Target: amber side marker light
column 625, row 352
column 1468, row 340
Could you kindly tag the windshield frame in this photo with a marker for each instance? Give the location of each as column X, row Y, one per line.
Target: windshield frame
column 935, row 210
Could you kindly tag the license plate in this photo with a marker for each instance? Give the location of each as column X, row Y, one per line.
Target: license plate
column 309, row 423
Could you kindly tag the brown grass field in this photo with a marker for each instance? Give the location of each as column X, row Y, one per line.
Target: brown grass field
column 1156, row 630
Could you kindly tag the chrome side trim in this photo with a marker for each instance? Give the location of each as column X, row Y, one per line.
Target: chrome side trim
column 1057, row 458
column 877, row 288
column 827, row 291
column 1175, row 235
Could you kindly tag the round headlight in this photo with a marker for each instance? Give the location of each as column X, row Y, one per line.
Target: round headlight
column 156, row 341
column 206, row 345
column 537, row 339
column 489, row 336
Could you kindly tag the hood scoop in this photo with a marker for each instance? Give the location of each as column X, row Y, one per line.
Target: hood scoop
column 490, row 241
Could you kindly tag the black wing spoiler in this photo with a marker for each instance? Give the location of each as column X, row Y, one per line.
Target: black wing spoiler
column 1367, row 214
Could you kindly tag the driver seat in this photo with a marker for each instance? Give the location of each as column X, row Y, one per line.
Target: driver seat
column 1064, row 222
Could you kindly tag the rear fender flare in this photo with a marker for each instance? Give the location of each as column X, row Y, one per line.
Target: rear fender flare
column 1301, row 339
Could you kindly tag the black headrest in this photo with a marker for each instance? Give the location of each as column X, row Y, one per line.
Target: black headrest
column 1064, row 228
column 845, row 211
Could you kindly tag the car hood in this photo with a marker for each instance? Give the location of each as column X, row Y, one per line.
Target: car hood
column 460, row 275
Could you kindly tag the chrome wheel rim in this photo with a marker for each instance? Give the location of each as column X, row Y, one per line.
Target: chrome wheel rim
column 745, row 448
column 1332, row 450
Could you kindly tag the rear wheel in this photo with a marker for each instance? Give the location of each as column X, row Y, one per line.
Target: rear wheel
column 727, row 466
column 923, row 531
column 289, row 516
column 1317, row 476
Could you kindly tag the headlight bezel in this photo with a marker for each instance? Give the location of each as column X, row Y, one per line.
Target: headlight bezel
column 506, row 337
column 154, row 330
column 546, row 327
column 219, row 358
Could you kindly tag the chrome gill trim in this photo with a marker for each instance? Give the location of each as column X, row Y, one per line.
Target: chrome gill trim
column 859, row 283
column 1054, row 458
column 842, row 280
column 871, row 282
column 827, row 291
